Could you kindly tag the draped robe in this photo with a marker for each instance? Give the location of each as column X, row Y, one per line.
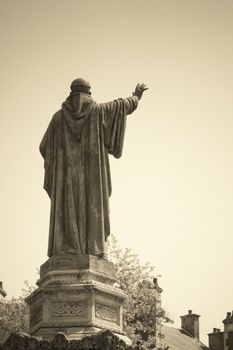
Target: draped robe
column 77, row 178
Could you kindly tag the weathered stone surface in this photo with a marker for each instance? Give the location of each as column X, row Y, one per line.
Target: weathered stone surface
column 77, row 179
column 76, row 296
column 68, row 268
column 104, row 340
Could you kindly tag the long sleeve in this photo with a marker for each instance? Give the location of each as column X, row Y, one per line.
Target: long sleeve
column 113, row 116
column 129, row 105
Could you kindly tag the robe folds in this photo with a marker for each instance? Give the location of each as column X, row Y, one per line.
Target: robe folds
column 77, row 178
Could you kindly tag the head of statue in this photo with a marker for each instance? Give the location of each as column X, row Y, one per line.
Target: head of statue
column 81, row 85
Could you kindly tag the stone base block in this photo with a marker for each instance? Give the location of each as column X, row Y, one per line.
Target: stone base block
column 68, row 268
column 76, row 296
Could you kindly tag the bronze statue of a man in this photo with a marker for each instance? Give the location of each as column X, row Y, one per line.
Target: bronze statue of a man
column 77, row 179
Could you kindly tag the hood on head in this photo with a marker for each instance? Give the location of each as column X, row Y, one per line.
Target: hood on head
column 78, row 104
column 76, row 111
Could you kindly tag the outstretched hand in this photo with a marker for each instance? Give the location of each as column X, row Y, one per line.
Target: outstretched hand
column 140, row 88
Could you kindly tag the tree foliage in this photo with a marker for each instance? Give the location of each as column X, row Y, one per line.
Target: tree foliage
column 14, row 313
column 142, row 308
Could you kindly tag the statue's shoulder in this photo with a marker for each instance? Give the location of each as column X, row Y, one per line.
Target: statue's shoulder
column 57, row 116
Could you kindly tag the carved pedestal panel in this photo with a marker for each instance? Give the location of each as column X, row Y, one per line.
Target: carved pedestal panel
column 75, row 295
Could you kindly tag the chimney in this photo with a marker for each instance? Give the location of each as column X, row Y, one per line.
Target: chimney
column 216, row 330
column 2, row 291
column 156, row 285
column 190, row 324
column 228, row 322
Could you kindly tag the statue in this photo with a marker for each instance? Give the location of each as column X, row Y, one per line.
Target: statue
column 77, row 179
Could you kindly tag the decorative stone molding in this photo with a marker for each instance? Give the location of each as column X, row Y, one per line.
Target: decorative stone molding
column 90, row 283
column 110, row 292
column 74, row 277
column 106, row 312
column 68, row 309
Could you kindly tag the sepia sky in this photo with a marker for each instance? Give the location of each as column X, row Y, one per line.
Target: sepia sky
column 172, row 199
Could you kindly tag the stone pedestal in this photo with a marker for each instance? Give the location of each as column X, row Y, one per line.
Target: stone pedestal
column 76, row 295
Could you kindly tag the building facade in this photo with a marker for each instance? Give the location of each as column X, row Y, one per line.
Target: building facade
column 222, row 340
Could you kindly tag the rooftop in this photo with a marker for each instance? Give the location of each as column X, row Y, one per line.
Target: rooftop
column 178, row 339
